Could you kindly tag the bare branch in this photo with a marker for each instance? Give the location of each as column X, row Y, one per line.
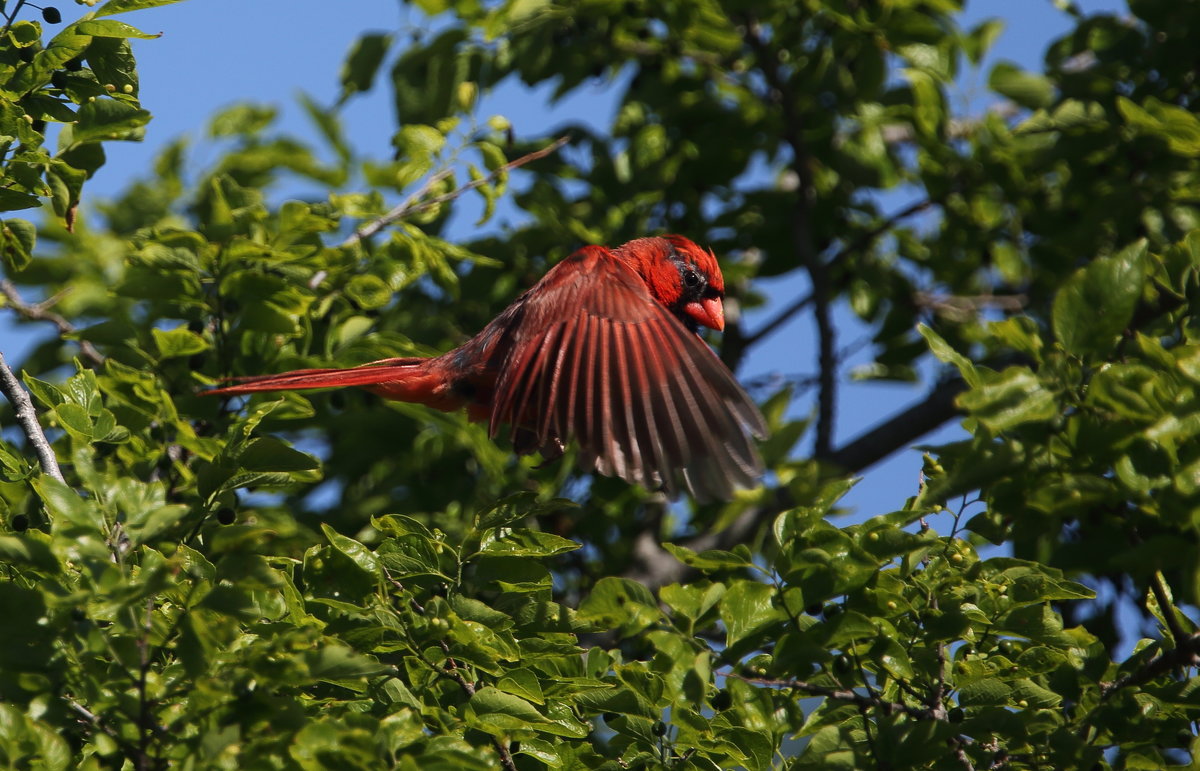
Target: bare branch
column 780, row 319
column 27, row 417
column 878, row 442
column 414, row 203
column 41, row 312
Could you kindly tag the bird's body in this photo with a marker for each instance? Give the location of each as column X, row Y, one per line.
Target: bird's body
column 602, row 350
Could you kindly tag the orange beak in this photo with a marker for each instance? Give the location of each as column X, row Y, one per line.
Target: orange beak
column 709, row 312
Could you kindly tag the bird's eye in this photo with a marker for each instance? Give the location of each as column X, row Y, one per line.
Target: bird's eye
column 691, row 278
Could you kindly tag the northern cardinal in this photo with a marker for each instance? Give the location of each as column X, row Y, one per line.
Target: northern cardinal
column 602, row 350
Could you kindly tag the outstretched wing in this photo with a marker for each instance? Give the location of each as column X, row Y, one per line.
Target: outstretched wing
column 595, row 359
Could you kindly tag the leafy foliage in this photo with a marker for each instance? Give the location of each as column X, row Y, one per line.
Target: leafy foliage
column 328, row 581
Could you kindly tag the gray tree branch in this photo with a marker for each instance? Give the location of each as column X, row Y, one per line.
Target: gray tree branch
column 27, row 418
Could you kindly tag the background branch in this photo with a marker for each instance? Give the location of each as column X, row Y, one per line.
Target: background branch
column 654, row 567
column 414, row 203
column 781, row 94
column 1186, row 653
column 41, row 312
column 838, row 694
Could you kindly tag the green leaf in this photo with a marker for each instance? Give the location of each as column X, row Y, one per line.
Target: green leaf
column 111, row 28
column 360, row 555
column 334, row 662
column 620, row 603
column 1177, row 126
column 520, row 542
column 68, row 512
column 24, row 33
column 27, row 550
column 150, row 524
column 748, row 607
column 984, row 693
column 943, row 351
column 17, row 239
column 178, row 342
column 519, row 506
column 495, row 712
column 361, row 65
column 109, row 119
column 113, row 7
column 242, row 120
column 270, row 454
column 979, row 40
column 368, row 291
column 929, row 109
column 409, row 555
column 12, row 200
column 112, row 62
column 1012, row 397
column 75, row 420
column 523, row 683
column 1034, row 695
column 1095, row 305
column 712, row 559
column 1025, row 88
column 692, row 601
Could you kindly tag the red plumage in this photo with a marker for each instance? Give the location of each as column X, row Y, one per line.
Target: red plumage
column 601, row 351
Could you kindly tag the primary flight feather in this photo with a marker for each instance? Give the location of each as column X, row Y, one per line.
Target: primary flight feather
column 603, row 351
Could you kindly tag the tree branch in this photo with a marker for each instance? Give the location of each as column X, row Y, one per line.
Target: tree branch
column 839, row 694
column 878, row 442
column 27, row 418
column 864, row 240
column 41, row 312
column 793, row 127
column 451, row 670
column 1186, row 653
column 413, row 204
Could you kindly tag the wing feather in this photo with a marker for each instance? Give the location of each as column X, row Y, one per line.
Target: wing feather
column 594, row 359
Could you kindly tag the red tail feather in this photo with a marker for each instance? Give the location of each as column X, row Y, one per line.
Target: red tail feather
column 386, row 371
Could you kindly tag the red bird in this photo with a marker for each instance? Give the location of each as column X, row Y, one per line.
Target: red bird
column 602, row 350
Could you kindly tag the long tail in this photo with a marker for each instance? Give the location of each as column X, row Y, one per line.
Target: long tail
column 393, row 372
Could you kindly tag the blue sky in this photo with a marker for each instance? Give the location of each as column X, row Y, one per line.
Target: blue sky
column 214, row 53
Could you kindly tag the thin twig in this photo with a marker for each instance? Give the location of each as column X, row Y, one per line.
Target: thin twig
column 506, row 758
column 144, row 716
column 1186, row 653
column 451, row 669
column 41, row 312
column 27, row 417
column 414, row 205
column 98, row 723
column 838, row 694
column 8, row 20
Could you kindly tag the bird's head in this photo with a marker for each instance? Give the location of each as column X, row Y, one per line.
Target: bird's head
column 681, row 276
